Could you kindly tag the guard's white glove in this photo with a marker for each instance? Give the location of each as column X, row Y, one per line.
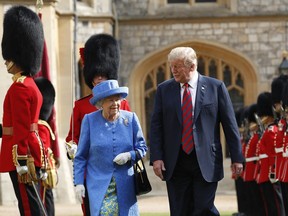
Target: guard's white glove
column 80, row 192
column 122, row 158
column 43, row 175
column 71, row 149
column 21, row 169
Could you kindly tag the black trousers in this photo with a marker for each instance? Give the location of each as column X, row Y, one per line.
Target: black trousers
column 48, row 197
column 243, row 199
column 189, row 194
column 256, row 205
column 28, row 203
column 273, row 200
column 284, row 190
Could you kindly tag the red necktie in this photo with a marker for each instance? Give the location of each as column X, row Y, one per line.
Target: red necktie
column 187, row 132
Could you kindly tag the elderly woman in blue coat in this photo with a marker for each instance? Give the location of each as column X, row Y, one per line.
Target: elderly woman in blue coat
column 106, row 150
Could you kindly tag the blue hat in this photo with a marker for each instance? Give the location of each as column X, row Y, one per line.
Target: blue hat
column 107, row 88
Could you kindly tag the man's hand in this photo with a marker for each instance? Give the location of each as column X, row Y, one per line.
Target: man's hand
column 57, row 162
column 158, row 168
column 122, row 158
column 43, row 175
column 71, row 148
column 237, row 169
column 21, row 169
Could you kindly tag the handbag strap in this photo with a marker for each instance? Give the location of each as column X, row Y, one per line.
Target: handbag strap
column 139, row 164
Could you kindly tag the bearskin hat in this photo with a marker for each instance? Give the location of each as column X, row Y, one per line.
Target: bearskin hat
column 23, row 39
column 101, row 58
column 239, row 116
column 264, row 104
column 285, row 95
column 48, row 93
column 251, row 111
column 277, row 86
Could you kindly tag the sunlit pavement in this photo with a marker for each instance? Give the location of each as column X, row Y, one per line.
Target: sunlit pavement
column 156, row 204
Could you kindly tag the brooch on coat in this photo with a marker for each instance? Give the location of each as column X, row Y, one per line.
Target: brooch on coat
column 126, row 123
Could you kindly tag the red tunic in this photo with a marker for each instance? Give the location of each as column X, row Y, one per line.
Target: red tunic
column 54, row 143
column 284, row 164
column 47, row 137
column 46, row 134
column 81, row 108
column 21, row 109
column 279, row 146
column 251, row 158
column 267, row 155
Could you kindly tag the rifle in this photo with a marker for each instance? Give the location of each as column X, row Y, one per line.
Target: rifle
column 275, row 116
column 282, row 113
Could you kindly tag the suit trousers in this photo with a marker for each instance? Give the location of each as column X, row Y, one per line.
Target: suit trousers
column 188, row 192
column 28, row 203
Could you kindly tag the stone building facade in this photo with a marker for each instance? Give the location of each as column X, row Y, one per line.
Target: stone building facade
column 238, row 41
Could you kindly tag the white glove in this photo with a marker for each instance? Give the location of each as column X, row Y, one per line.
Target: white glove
column 71, row 149
column 122, row 158
column 80, row 192
column 21, row 169
column 43, row 175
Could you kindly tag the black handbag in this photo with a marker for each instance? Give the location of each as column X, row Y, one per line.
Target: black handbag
column 142, row 184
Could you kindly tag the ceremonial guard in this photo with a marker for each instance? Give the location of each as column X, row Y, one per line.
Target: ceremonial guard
column 279, row 95
column 276, row 91
column 22, row 48
column 48, row 171
column 265, row 174
column 101, row 60
column 283, row 170
column 253, row 191
column 241, row 189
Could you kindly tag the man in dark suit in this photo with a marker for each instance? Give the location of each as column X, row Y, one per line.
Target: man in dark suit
column 192, row 167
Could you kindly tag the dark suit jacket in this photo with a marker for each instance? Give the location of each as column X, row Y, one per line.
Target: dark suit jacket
column 212, row 107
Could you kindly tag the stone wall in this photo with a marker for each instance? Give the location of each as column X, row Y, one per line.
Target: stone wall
column 261, row 41
column 139, row 8
column 132, row 7
column 260, row 6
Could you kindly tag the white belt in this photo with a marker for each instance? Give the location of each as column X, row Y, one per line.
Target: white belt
column 251, row 159
column 278, row 150
column 261, row 156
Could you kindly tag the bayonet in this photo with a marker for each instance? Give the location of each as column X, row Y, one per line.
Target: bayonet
column 261, row 127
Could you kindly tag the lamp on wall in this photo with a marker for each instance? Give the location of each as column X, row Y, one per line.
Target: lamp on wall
column 283, row 67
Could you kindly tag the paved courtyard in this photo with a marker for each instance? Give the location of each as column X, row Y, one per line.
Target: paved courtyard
column 154, row 202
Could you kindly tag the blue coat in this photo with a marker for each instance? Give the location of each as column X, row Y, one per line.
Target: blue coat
column 100, row 142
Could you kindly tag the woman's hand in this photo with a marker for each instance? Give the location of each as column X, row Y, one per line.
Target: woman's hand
column 80, row 192
column 122, row 158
